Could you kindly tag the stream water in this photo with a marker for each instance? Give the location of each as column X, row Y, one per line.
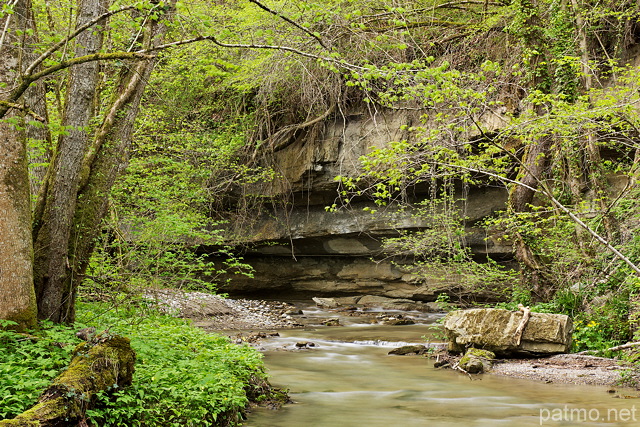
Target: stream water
column 348, row 379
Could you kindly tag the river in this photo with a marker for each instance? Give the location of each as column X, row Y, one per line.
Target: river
column 348, row 379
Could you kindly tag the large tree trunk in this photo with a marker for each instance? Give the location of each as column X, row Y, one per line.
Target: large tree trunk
column 107, row 159
column 17, row 297
column 52, row 226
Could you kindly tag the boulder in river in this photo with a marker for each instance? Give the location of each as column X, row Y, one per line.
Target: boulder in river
column 496, row 330
column 409, row 349
column 476, row 361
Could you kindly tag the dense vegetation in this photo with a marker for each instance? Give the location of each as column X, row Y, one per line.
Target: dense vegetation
column 539, row 96
column 184, row 376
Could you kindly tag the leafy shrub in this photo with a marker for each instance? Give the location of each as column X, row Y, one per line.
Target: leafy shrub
column 28, row 363
column 591, row 336
column 184, row 376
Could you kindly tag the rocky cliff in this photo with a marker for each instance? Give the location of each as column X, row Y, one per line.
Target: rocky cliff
column 300, row 247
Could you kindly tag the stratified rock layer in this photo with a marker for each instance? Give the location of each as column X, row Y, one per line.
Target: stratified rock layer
column 495, row 330
column 302, row 248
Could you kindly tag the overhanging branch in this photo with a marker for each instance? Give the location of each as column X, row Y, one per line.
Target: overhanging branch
column 73, row 35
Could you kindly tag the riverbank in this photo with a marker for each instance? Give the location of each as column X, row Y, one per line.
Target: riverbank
column 234, row 316
column 576, row 369
column 566, row 369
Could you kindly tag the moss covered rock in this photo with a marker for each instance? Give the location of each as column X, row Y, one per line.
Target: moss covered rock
column 476, row 361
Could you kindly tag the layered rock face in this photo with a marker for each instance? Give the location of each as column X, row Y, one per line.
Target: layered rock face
column 304, row 249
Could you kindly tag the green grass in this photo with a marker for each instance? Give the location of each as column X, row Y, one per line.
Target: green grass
column 184, row 376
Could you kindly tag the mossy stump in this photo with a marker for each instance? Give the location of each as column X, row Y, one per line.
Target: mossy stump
column 100, row 364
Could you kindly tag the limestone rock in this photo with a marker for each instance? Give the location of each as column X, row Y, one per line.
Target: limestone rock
column 390, row 303
column 331, row 322
column 325, row 302
column 399, row 322
column 494, row 330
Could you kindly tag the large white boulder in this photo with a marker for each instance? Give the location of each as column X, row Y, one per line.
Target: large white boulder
column 495, row 330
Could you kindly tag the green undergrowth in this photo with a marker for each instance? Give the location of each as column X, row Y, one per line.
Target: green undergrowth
column 28, row 363
column 184, row 376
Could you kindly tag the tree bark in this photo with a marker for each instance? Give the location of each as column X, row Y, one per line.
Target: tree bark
column 52, row 226
column 36, row 135
column 17, row 297
column 107, row 158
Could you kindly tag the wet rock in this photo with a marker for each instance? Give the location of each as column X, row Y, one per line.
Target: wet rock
column 331, row 322
column 348, row 300
column 325, row 302
column 476, row 361
column 409, row 349
column 293, row 312
column 441, row 364
column 433, row 307
column 399, row 322
column 495, row 330
column 390, row 303
column 305, row 344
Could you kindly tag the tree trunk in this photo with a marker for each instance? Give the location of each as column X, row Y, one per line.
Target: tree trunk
column 52, row 226
column 535, row 160
column 534, row 164
column 107, row 159
column 17, row 297
column 96, row 366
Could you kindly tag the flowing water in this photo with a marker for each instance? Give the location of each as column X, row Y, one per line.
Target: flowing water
column 348, row 379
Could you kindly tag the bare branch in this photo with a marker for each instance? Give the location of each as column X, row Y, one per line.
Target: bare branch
column 6, row 23
column 256, row 46
column 616, row 348
column 24, row 108
column 24, row 83
column 295, row 24
column 557, row 203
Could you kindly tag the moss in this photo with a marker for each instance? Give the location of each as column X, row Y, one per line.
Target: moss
column 49, row 410
column 27, row 317
column 476, row 361
column 97, row 365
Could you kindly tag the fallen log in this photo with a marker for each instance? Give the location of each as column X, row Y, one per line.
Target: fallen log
column 104, row 362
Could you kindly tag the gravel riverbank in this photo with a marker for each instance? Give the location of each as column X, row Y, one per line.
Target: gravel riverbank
column 213, row 312
column 564, row 369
